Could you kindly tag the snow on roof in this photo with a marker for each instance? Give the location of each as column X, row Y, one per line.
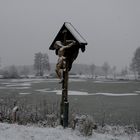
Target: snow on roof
column 75, row 33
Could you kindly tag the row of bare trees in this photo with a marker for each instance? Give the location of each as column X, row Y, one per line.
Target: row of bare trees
column 107, row 69
column 41, row 65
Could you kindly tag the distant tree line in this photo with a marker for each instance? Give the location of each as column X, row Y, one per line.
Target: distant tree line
column 41, row 65
column 106, row 68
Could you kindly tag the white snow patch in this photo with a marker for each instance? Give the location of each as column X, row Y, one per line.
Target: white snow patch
column 22, row 80
column 6, row 83
column 52, row 80
column 18, row 132
column 14, row 87
column 43, row 90
column 24, row 93
column 137, row 91
column 115, row 94
column 77, row 80
column 59, row 92
column 20, row 87
column 27, row 80
column 19, row 84
column 112, row 82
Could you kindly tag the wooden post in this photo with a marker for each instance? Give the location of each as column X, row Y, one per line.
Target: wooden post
column 65, row 93
column 64, row 106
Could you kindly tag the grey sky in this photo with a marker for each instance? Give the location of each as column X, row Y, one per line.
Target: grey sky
column 111, row 28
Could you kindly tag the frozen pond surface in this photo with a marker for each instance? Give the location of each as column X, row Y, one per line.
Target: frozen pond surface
column 119, row 101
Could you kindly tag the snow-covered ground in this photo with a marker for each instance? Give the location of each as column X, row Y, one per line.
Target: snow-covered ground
column 18, row 132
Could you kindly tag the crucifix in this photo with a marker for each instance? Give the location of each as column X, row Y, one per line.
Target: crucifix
column 66, row 44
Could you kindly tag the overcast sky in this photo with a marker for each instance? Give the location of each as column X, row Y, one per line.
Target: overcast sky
column 111, row 28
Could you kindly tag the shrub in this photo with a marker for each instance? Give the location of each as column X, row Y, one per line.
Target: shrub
column 84, row 124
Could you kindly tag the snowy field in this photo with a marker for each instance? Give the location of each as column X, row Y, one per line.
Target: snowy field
column 17, row 132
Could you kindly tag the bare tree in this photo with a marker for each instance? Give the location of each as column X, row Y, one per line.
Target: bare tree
column 5, row 74
column 41, row 63
column 106, row 68
column 25, row 71
column 114, row 72
column 124, row 71
column 45, row 62
column 135, row 65
column 92, row 69
column 11, row 72
column 37, row 64
column 132, row 68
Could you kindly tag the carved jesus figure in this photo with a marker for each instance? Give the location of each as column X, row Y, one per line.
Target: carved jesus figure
column 60, row 51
